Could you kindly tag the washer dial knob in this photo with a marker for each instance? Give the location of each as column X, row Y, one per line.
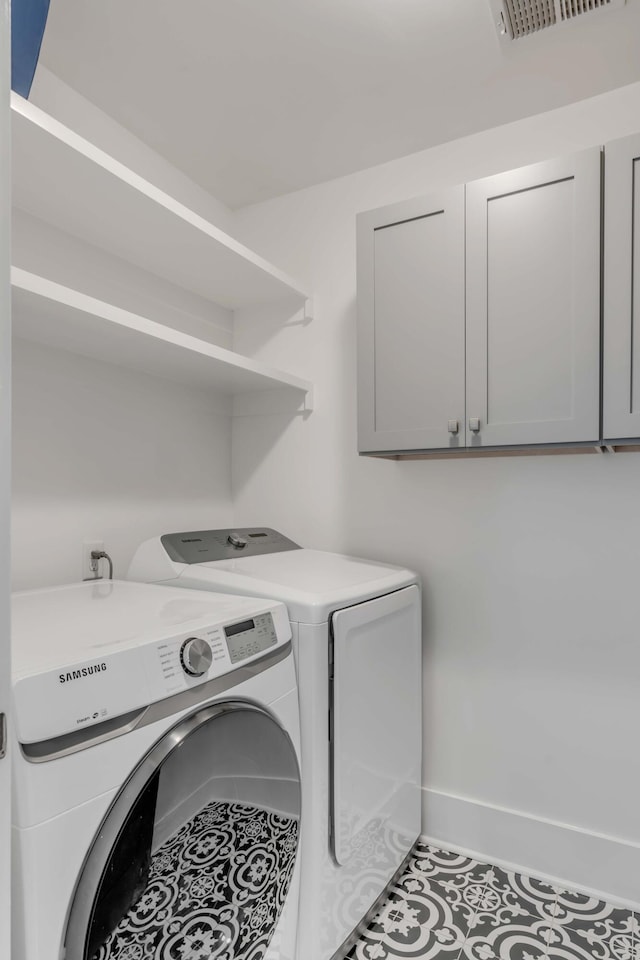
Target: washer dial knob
column 236, row 541
column 195, row 656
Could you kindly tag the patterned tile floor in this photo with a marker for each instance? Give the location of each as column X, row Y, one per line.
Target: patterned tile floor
column 450, row 907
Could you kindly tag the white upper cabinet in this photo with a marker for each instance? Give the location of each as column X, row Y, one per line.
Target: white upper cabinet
column 621, row 374
column 533, row 304
column 411, row 325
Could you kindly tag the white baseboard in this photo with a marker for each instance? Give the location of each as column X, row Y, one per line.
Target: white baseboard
column 602, row 866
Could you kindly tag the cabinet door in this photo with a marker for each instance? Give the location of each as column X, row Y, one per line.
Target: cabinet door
column 411, row 325
column 621, row 379
column 533, row 304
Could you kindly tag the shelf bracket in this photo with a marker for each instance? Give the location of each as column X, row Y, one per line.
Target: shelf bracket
column 307, row 406
column 285, row 400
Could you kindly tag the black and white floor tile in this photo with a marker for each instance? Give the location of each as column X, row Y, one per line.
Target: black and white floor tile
column 216, row 889
column 450, row 907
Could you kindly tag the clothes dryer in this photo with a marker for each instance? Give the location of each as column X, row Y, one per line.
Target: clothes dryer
column 357, row 641
column 157, row 788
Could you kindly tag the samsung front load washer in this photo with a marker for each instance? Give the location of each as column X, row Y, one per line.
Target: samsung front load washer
column 157, row 789
column 357, row 641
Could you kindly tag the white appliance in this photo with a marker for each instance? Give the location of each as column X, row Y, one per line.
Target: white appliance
column 357, row 640
column 157, row 788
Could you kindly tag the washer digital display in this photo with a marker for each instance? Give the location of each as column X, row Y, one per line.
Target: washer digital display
column 248, row 637
column 243, row 627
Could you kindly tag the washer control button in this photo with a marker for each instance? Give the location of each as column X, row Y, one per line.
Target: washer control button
column 236, row 541
column 195, row 656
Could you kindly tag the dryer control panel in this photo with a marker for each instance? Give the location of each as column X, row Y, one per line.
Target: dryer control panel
column 204, row 546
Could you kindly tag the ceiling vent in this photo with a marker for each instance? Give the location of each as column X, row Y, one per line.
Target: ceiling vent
column 519, row 18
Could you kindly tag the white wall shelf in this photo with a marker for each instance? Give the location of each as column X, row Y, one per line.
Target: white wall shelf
column 63, row 179
column 57, row 316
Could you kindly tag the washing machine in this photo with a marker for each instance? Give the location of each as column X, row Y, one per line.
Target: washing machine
column 157, row 785
column 357, row 642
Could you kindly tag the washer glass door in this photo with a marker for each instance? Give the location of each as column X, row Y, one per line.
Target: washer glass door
column 195, row 856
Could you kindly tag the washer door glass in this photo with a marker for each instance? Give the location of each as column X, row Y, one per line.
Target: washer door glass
column 195, row 856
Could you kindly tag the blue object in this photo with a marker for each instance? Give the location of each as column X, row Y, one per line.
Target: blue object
column 28, row 20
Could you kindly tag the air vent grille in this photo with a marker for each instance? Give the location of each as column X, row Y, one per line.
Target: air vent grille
column 519, row 18
column 573, row 8
column 527, row 16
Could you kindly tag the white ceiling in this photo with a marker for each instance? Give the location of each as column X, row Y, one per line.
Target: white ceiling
column 253, row 98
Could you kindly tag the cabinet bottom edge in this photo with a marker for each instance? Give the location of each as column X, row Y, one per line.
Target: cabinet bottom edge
column 540, row 450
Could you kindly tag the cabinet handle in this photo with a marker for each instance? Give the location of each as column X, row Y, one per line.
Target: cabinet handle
column 453, row 426
column 474, row 424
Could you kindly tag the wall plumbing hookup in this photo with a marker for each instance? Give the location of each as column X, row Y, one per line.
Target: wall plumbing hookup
column 93, row 553
column 96, row 557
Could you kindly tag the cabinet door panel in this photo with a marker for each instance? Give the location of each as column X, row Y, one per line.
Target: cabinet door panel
column 621, row 378
column 533, row 303
column 411, row 324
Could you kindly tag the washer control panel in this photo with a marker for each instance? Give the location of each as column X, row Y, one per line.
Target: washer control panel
column 191, row 659
column 249, row 637
column 195, row 656
column 130, row 675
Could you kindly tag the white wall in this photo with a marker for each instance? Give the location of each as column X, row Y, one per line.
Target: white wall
column 100, row 453
column 530, row 565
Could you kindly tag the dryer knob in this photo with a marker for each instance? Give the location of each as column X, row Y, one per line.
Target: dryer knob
column 236, row 541
column 196, row 656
